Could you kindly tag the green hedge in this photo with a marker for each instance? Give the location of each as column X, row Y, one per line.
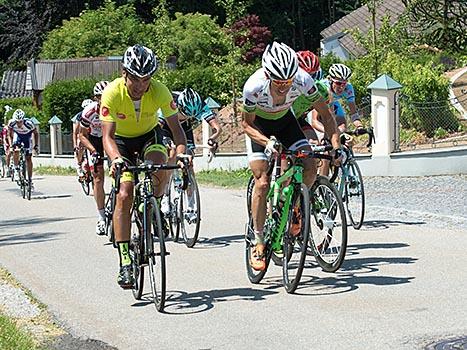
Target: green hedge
column 63, row 99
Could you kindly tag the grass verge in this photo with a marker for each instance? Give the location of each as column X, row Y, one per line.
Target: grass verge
column 224, row 178
column 13, row 338
column 54, row 170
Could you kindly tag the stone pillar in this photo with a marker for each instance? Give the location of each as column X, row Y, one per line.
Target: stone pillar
column 55, row 136
column 384, row 115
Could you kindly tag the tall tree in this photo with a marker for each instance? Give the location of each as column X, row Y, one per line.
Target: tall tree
column 442, row 23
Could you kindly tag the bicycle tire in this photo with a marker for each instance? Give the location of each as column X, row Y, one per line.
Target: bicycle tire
column 186, row 224
column 174, row 219
column 156, row 253
column 108, row 212
column 249, row 193
column 254, row 276
column 292, row 267
column 354, row 188
column 328, row 225
column 23, row 179
column 136, row 252
column 29, row 189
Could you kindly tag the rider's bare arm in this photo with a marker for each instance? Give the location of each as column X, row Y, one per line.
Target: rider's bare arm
column 250, row 129
column 354, row 116
column 177, row 132
column 216, row 128
column 83, row 137
column 329, row 122
column 108, row 140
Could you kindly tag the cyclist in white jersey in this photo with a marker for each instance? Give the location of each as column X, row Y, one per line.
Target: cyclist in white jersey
column 21, row 131
column 90, row 135
column 267, row 97
column 78, row 147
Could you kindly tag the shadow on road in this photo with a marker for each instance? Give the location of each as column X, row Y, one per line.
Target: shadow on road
column 384, row 224
column 28, row 221
column 182, row 303
column 218, row 242
column 29, row 237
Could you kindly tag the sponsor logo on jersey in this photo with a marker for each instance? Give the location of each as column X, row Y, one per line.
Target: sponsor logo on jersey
column 105, row 111
column 121, row 116
column 312, row 90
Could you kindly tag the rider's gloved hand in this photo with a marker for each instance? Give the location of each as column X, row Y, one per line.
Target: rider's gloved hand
column 36, row 149
column 339, row 157
column 213, row 145
column 184, row 160
column 360, row 131
column 271, row 147
column 116, row 162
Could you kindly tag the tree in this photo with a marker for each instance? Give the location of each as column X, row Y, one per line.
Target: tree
column 251, row 37
column 442, row 23
column 108, row 30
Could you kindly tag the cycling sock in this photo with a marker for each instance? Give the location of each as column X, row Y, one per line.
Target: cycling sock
column 101, row 214
column 124, row 253
column 259, row 237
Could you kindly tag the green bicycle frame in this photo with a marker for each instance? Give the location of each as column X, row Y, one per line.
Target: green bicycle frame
column 277, row 193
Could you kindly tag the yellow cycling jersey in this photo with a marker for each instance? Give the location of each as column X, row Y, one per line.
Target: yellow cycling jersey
column 117, row 107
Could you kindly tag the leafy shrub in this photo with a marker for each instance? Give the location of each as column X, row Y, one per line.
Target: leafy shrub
column 63, row 99
column 24, row 103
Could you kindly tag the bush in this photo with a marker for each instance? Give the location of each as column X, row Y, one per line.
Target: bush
column 63, row 99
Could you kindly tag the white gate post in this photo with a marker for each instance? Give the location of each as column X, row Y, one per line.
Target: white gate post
column 55, row 136
column 384, row 116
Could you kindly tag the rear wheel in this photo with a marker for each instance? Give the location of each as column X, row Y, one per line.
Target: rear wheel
column 328, row 225
column 354, row 196
column 156, row 255
column 190, row 211
column 174, row 202
column 296, row 238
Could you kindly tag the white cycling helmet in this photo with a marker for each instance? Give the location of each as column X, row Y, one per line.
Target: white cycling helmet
column 18, row 115
column 86, row 103
column 280, row 61
column 140, row 61
column 339, row 71
column 99, row 87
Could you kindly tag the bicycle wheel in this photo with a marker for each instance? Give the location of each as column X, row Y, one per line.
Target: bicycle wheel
column 190, row 211
column 108, row 212
column 253, row 275
column 136, row 253
column 249, row 192
column 174, row 200
column 85, row 185
column 155, row 251
column 29, row 188
column 354, row 196
column 2, row 165
column 296, row 238
column 328, row 225
column 23, row 180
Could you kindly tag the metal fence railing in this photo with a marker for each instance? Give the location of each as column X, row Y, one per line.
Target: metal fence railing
column 430, row 124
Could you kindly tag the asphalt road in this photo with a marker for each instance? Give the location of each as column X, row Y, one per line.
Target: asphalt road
column 403, row 284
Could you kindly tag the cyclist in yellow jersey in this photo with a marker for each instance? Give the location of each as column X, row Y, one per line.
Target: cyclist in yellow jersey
column 130, row 125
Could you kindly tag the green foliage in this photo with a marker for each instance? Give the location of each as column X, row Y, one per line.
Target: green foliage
column 63, row 99
column 108, row 30
column 197, row 39
column 211, row 81
column 54, row 170
column 326, row 61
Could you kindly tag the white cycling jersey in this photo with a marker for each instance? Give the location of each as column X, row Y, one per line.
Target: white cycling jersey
column 27, row 127
column 90, row 119
column 257, row 95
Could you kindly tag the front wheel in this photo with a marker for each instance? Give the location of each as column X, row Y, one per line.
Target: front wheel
column 354, row 196
column 328, row 225
column 296, row 238
column 137, row 253
column 190, row 211
column 156, row 253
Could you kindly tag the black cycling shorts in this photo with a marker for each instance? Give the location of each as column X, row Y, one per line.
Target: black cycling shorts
column 133, row 148
column 96, row 142
column 286, row 130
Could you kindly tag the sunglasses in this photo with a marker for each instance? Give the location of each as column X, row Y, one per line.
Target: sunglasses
column 282, row 83
column 339, row 83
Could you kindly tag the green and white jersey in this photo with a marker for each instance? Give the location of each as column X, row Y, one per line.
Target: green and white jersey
column 302, row 104
column 257, row 95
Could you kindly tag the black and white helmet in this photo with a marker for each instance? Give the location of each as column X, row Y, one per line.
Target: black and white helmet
column 18, row 115
column 99, row 87
column 280, row 61
column 140, row 61
column 339, row 71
